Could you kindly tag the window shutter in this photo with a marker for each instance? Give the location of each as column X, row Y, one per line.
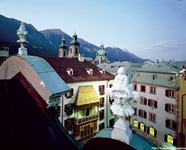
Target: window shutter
column 173, row 94
column 167, row 123
column 155, row 133
column 166, row 107
column 165, row 138
column 174, row 142
column 145, row 114
column 139, row 112
column 155, row 104
column 148, row 130
column 99, row 88
column 166, row 93
column 138, row 125
column 174, row 125
column 144, row 128
column 145, row 101
column 175, row 108
column 149, row 102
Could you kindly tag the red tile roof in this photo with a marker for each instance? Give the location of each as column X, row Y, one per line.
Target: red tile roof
column 60, row 64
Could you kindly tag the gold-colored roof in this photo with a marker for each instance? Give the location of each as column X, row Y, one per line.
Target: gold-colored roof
column 86, row 95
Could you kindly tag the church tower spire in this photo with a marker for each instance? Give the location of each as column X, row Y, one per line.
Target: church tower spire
column 63, row 48
column 74, row 47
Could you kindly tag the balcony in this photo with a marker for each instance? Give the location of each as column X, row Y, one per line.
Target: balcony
column 86, row 119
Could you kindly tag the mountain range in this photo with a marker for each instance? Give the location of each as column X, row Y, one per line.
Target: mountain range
column 47, row 42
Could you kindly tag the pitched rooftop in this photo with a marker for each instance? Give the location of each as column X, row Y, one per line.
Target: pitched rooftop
column 168, row 67
column 79, row 69
column 161, row 74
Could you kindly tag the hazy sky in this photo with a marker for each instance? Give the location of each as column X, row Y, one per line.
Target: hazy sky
column 154, row 29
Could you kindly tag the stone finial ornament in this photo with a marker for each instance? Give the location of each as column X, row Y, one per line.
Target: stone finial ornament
column 22, row 34
column 123, row 95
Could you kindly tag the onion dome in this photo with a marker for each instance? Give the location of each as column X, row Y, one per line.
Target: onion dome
column 74, row 40
column 63, row 44
column 101, row 51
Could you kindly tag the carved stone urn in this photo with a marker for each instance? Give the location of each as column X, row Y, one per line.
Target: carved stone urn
column 123, row 95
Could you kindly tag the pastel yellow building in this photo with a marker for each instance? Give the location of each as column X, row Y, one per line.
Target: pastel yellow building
column 182, row 111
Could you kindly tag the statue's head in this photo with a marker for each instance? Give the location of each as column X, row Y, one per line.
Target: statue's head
column 121, row 71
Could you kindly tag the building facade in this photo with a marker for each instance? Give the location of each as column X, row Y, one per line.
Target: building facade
column 182, row 114
column 157, row 114
column 85, row 109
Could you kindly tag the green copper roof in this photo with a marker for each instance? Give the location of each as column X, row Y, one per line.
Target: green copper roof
column 74, row 40
column 158, row 74
column 162, row 67
column 63, row 43
column 101, row 51
column 49, row 76
column 161, row 79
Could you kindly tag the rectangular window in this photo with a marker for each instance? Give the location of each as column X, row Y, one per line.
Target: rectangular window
column 153, row 90
column 143, row 101
column 170, row 108
column 135, row 123
column 101, row 115
column 102, row 102
column 142, row 127
column 152, row 117
column 171, row 78
column 170, row 139
column 154, row 77
column 151, row 131
column 101, row 126
column 142, row 113
column 142, row 88
column 102, row 89
column 135, row 111
column 69, row 109
column 110, row 85
column 68, row 124
column 135, row 87
column 169, row 93
column 152, row 103
column 170, row 124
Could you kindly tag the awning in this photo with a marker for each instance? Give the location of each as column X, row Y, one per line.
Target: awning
column 86, row 95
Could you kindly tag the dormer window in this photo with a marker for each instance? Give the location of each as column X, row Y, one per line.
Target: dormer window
column 89, row 71
column 154, row 76
column 171, row 78
column 69, row 71
column 102, row 71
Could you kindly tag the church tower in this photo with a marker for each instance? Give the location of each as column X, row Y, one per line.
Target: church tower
column 74, row 47
column 63, row 48
column 101, row 55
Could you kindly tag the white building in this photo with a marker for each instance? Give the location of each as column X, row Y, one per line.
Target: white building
column 85, row 109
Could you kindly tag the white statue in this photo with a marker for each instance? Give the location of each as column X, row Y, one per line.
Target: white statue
column 123, row 95
column 22, row 34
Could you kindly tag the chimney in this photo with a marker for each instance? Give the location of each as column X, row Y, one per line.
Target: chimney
column 81, row 57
